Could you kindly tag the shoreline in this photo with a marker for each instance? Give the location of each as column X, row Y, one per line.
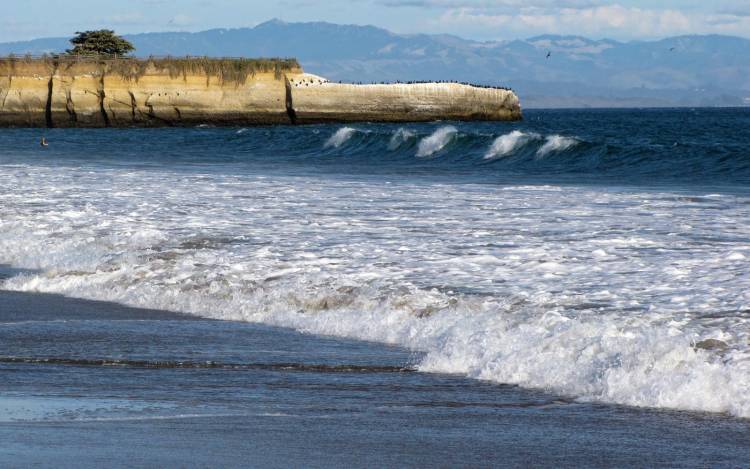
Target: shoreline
column 49, row 406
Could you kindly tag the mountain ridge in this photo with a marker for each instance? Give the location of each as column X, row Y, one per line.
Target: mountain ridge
column 687, row 70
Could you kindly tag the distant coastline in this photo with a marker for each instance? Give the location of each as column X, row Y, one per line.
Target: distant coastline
column 79, row 91
column 582, row 72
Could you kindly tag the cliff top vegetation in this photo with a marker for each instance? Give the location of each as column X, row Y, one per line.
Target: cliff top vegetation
column 102, row 41
column 228, row 69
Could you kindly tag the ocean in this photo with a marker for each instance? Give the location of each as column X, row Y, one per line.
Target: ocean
column 570, row 289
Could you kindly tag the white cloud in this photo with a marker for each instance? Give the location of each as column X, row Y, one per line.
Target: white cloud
column 612, row 20
column 490, row 4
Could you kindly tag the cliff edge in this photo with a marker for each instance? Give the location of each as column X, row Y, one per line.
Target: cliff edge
column 85, row 92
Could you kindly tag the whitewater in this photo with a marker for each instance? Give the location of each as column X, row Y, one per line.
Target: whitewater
column 634, row 294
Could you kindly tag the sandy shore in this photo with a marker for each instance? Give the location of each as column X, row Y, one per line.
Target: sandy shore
column 299, row 400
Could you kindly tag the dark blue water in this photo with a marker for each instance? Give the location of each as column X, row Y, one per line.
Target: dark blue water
column 654, row 146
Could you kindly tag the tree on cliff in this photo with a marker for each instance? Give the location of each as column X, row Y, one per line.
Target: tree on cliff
column 101, row 42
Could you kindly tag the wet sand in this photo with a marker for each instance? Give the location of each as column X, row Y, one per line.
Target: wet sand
column 97, row 384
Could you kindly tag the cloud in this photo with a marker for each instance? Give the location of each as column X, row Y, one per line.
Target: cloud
column 619, row 19
column 612, row 20
column 488, row 5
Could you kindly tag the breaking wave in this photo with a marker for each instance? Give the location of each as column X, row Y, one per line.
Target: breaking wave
column 340, row 137
column 502, row 268
column 556, row 143
column 494, row 153
column 428, row 146
column 400, row 137
column 508, row 143
column 503, row 283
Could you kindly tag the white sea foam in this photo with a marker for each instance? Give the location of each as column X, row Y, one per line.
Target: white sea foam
column 556, row 143
column 506, row 144
column 400, row 137
column 340, row 137
column 437, row 141
column 567, row 289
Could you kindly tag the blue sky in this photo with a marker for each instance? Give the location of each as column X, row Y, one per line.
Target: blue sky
column 475, row 19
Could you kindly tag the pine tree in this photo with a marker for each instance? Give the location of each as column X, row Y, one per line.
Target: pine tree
column 101, row 42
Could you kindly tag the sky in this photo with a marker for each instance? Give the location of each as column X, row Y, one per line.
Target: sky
column 473, row 19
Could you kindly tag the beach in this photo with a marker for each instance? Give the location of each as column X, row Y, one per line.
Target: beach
column 570, row 290
column 358, row 411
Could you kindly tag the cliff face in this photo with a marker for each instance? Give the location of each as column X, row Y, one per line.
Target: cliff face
column 47, row 93
column 315, row 100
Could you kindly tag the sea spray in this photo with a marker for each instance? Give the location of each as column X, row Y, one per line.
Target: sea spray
column 340, row 137
column 400, row 137
column 432, row 144
column 556, row 143
column 506, row 144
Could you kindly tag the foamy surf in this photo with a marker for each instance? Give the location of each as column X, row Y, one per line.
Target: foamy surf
column 507, row 283
column 432, row 144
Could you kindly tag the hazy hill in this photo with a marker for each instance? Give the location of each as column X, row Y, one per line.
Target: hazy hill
column 678, row 71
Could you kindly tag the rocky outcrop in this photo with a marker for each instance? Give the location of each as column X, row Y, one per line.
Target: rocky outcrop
column 317, row 100
column 61, row 92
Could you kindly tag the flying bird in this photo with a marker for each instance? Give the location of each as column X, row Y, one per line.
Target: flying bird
column 549, row 54
column 671, row 49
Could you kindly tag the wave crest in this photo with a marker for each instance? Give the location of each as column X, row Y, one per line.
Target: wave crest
column 557, row 143
column 640, row 361
column 437, row 141
column 400, row 137
column 340, row 137
column 509, row 143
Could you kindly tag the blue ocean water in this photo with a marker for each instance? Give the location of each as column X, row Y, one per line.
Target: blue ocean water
column 599, row 255
column 680, row 147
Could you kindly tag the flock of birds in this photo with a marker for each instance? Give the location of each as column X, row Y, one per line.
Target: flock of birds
column 397, row 82
column 320, row 81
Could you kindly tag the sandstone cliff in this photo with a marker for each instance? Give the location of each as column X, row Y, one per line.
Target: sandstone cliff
column 316, row 100
column 68, row 92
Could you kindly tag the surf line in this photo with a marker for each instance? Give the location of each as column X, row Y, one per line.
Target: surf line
column 170, row 364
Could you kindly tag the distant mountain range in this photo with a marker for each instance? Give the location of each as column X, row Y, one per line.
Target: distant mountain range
column 678, row 71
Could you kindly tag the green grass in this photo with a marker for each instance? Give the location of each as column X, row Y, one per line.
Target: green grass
column 231, row 70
